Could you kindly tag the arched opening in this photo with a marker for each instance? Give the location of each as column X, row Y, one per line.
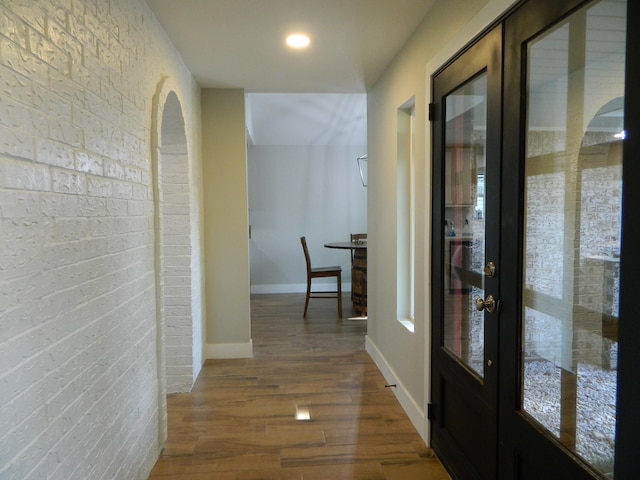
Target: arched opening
column 179, row 329
column 174, row 247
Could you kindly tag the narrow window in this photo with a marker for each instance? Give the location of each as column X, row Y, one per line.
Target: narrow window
column 406, row 214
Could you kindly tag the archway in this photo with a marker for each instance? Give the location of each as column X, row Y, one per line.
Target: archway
column 179, row 329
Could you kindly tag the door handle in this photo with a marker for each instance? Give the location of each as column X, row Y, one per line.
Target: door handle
column 489, row 304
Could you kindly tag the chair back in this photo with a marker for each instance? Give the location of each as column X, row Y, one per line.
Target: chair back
column 354, row 237
column 303, row 240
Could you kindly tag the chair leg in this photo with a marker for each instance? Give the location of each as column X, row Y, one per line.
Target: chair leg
column 306, row 301
column 340, row 296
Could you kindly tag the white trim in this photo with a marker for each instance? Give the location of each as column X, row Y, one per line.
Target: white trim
column 298, row 288
column 407, row 402
column 228, row 350
column 408, row 323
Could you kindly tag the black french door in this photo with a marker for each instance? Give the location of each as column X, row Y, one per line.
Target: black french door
column 466, row 128
column 533, row 334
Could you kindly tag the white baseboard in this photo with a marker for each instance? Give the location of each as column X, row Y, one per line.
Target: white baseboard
column 298, row 288
column 228, row 350
column 407, row 402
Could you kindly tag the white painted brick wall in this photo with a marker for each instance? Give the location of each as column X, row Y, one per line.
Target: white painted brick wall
column 79, row 368
column 176, row 259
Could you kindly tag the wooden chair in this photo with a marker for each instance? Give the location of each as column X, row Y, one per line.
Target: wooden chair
column 320, row 272
column 354, row 237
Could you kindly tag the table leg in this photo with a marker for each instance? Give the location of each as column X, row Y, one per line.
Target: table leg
column 359, row 281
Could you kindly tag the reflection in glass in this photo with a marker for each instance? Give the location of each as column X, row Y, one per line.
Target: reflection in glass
column 573, row 182
column 464, row 222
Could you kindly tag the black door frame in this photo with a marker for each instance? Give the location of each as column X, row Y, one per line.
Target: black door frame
column 627, row 461
column 517, row 435
column 532, row 17
column 455, row 434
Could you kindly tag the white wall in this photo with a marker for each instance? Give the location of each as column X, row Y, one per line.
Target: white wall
column 402, row 354
column 80, row 391
column 302, row 190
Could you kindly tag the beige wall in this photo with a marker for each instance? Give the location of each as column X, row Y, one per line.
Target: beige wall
column 224, row 176
column 403, row 355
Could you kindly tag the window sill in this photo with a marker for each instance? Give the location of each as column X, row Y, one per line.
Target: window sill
column 407, row 323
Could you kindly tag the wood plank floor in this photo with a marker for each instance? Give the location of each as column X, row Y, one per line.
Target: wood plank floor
column 239, row 422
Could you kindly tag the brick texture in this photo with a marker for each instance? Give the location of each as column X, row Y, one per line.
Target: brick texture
column 174, row 207
column 81, row 376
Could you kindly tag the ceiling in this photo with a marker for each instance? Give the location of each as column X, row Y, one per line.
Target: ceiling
column 241, row 44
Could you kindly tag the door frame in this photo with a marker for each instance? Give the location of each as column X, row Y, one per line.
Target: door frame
column 483, row 55
column 527, row 22
column 627, row 461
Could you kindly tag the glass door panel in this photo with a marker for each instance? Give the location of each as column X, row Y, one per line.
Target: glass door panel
column 573, row 187
column 464, row 227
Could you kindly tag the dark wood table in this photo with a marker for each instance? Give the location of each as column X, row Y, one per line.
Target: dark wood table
column 358, row 273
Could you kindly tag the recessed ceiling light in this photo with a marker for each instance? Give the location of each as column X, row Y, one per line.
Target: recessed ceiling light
column 298, row 40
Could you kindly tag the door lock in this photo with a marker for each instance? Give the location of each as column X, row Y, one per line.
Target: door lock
column 490, row 270
column 489, row 304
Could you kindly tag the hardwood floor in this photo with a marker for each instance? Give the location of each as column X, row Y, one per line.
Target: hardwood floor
column 239, row 422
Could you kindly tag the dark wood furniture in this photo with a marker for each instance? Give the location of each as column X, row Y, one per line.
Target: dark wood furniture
column 358, row 272
column 321, row 272
column 358, row 238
